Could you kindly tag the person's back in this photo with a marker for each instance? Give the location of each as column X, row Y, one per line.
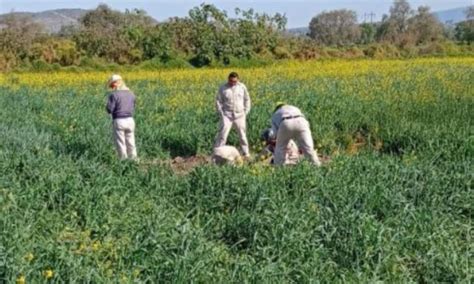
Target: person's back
column 121, row 104
column 288, row 110
column 283, row 113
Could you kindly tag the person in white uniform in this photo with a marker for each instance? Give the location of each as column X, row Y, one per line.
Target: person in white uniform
column 233, row 105
column 289, row 123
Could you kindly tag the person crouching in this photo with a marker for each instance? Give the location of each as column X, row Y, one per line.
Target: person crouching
column 289, row 123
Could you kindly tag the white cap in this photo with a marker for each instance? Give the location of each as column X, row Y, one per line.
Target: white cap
column 114, row 78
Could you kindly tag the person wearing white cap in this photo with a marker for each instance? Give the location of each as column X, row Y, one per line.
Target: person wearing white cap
column 233, row 105
column 121, row 106
column 289, row 123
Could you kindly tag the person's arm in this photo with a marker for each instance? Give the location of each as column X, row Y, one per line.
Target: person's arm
column 275, row 126
column 134, row 102
column 110, row 104
column 219, row 102
column 247, row 103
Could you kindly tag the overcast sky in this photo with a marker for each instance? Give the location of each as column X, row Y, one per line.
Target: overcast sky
column 299, row 12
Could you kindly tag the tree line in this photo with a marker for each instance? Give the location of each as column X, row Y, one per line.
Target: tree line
column 402, row 27
column 209, row 37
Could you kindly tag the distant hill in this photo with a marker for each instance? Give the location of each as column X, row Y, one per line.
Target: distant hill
column 303, row 31
column 451, row 16
column 53, row 20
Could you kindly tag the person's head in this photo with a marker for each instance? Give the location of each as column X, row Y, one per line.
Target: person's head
column 116, row 82
column 267, row 136
column 233, row 78
column 278, row 105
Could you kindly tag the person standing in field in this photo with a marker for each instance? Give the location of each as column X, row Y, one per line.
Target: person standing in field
column 121, row 106
column 233, row 105
column 288, row 123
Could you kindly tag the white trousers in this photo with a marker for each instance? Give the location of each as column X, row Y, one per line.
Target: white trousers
column 124, row 138
column 298, row 130
column 226, row 125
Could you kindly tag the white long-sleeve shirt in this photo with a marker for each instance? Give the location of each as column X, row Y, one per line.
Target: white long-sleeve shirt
column 233, row 101
column 283, row 112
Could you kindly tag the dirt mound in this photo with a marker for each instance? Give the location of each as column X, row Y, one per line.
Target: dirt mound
column 184, row 165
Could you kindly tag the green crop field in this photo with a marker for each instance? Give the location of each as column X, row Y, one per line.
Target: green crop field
column 394, row 204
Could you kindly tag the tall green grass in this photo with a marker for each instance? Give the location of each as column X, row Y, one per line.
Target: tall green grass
column 399, row 211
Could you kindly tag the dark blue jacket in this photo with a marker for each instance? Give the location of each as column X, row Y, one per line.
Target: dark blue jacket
column 121, row 104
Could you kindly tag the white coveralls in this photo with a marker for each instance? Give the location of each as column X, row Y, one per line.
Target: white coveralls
column 225, row 155
column 289, row 123
column 292, row 153
column 233, row 105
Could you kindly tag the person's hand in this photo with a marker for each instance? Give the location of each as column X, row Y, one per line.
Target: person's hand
column 271, row 148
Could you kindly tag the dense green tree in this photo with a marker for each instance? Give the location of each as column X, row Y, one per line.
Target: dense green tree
column 215, row 37
column 209, row 34
column 259, row 33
